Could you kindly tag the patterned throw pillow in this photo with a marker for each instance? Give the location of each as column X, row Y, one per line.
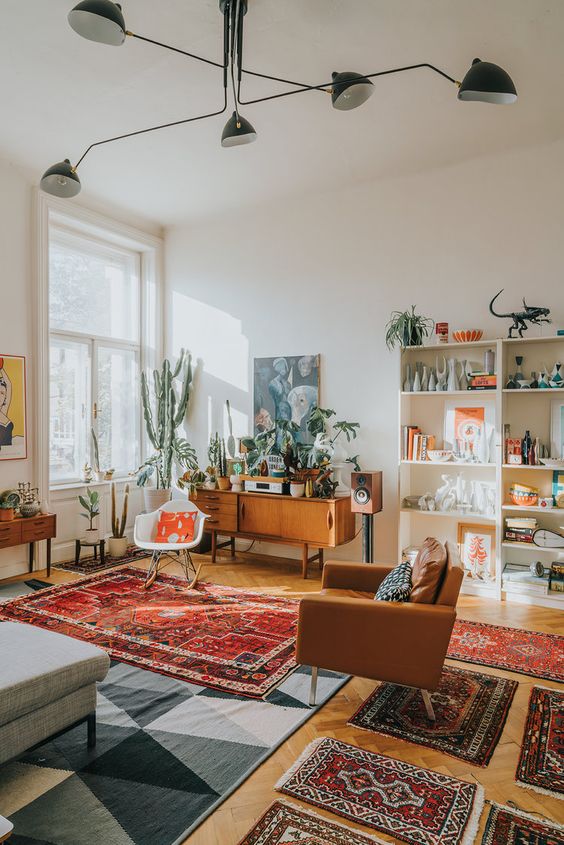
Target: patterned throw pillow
column 396, row 586
column 176, row 527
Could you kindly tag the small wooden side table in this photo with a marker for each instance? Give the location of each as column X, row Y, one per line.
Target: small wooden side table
column 6, row 829
column 78, row 544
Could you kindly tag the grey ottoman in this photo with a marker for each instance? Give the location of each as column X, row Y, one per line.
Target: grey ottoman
column 47, row 684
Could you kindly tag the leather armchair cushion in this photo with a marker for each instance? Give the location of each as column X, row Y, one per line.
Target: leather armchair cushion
column 428, row 572
column 347, row 594
column 396, row 586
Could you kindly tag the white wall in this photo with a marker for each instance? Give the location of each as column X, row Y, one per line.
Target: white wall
column 322, row 275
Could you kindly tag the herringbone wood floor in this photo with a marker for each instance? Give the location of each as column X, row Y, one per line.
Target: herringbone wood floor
column 276, row 576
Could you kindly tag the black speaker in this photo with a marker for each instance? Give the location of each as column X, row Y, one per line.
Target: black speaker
column 366, row 495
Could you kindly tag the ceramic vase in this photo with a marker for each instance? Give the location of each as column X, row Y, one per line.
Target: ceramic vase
column 519, row 374
column 463, row 380
column 452, row 383
column 408, row 384
column 425, row 379
column 432, row 380
column 556, row 378
column 543, row 379
column 417, row 382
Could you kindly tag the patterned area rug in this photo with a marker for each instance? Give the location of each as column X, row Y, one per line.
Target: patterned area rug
column 541, row 762
column 514, row 649
column 168, row 754
column 90, row 565
column 220, row 637
column 471, row 709
column 506, row 826
column 288, row 824
column 407, row 802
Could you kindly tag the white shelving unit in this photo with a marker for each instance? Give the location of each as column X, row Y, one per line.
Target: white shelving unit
column 513, row 407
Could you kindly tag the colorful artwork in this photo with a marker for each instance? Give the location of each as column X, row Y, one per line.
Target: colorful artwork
column 469, row 429
column 477, row 550
column 285, row 388
column 13, row 441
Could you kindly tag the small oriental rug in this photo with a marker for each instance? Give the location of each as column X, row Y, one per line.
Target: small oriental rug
column 514, row 649
column 506, row 826
column 90, row 565
column 541, row 762
column 471, row 709
column 404, row 801
column 288, row 824
column 219, row 637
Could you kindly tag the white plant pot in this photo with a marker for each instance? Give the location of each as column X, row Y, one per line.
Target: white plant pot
column 117, row 546
column 297, row 489
column 100, row 476
column 92, row 535
column 155, row 498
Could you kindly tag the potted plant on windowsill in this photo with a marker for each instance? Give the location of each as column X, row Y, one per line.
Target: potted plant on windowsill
column 223, row 481
column 9, row 503
column 91, row 510
column 406, row 328
column 162, row 424
column 117, row 544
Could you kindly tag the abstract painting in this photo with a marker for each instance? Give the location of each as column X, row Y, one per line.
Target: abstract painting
column 13, row 441
column 285, row 388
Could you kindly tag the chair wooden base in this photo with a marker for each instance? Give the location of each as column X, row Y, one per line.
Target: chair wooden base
column 161, row 559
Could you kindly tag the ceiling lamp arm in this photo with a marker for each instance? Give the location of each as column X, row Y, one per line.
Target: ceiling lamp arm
column 153, row 129
column 326, row 86
column 175, row 50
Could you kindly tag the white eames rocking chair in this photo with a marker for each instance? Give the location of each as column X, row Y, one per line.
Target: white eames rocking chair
column 144, row 534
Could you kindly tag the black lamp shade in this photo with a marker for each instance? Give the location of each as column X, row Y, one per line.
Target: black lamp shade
column 237, row 131
column 350, row 90
column 61, row 180
column 99, row 20
column 487, row 83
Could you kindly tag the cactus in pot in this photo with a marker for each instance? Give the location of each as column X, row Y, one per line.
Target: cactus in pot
column 118, row 542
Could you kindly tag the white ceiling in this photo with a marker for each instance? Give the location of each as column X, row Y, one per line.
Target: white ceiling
column 58, row 93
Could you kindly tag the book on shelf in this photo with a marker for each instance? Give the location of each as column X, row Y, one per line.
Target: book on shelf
column 521, row 522
column 519, row 536
column 556, row 577
column 482, row 381
column 415, row 445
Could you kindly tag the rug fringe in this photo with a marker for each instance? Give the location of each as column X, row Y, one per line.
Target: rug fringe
column 346, row 827
column 540, row 789
column 537, row 817
column 473, row 823
column 299, row 762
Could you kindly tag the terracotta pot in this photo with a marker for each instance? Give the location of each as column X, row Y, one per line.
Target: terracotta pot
column 7, row 514
column 155, row 498
column 223, row 482
column 117, row 546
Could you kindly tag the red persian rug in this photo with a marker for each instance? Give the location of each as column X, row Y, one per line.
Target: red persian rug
column 471, row 709
column 514, row 649
column 89, row 565
column 506, row 826
column 288, row 824
column 541, row 762
column 404, row 801
column 219, row 637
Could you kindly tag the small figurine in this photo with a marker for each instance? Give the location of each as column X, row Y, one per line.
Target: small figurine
column 531, row 314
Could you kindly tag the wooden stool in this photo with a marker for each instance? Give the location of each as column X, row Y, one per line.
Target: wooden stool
column 78, row 544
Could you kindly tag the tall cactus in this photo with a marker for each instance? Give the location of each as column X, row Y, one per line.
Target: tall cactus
column 162, row 424
column 118, row 526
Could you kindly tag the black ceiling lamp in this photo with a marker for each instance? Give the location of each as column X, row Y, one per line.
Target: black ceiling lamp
column 350, row 90
column 487, row 83
column 103, row 21
column 99, row 20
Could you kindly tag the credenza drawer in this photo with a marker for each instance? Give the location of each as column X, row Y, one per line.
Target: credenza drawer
column 10, row 534
column 38, row 528
column 219, row 508
column 221, row 522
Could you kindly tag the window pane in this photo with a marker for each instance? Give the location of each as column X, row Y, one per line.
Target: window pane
column 118, row 408
column 69, row 409
column 93, row 288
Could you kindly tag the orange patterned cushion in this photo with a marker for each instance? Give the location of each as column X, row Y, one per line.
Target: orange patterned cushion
column 176, row 527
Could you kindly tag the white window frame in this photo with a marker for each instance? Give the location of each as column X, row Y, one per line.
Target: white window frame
column 89, row 224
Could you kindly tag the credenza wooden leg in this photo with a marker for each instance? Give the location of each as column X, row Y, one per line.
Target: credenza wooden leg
column 214, row 546
column 48, row 556
column 305, row 556
column 320, row 559
column 31, row 556
column 233, row 547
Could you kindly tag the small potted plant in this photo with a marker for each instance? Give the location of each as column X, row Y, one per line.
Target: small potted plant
column 211, row 481
column 91, row 509
column 298, row 484
column 191, row 480
column 118, row 542
column 406, row 328
column 9, row 503
column 223, row 481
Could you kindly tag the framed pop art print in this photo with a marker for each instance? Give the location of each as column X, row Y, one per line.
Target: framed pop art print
column 13, row 437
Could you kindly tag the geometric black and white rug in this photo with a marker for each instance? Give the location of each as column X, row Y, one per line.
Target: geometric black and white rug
column 167, row 754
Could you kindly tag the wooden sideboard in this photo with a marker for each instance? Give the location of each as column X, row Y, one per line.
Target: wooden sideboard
column 31, row 530
column 320, row 523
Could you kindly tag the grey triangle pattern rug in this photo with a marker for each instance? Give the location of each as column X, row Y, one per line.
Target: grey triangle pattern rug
column 168, row 754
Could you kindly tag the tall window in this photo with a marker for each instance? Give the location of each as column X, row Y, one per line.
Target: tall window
column 94, row 328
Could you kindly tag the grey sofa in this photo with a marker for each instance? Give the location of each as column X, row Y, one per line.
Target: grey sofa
column 47, row 684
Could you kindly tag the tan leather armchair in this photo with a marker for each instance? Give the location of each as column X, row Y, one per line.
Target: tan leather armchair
column 344, row 629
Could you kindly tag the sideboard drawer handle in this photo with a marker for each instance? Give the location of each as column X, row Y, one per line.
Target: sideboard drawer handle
column 329, row 520
column 212, row 521
column 213, row 507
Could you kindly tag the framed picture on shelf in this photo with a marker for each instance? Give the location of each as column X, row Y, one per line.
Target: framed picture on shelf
column 557, row 429
column 469, row 428
column 476, row 546
column 13, row 438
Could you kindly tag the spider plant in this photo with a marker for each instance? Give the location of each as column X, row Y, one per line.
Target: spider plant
column 406, row 328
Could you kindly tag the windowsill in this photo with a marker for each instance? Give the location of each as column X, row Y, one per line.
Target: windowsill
column 75, row 485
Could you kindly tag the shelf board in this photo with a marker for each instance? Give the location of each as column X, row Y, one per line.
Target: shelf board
column 448, row 464
column 437, row 347
column 454, row 514
column 531, row 547
column 549, row 339
column 532, row 509
column 489, row 393
column 550, row 391
column 529, row 466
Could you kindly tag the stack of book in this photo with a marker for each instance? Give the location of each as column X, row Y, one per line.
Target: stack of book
column 482, row 381
column 520, row 530
column 414, row 444
column 519, row 578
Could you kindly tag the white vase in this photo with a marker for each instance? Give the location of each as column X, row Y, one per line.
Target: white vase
column 417, row 381
column 452, row 383
column 425, row 379
column 432, row 381
column 117, row 546
column 463, row 380
column 236, row 483
column 154, row 498
column 44, row 507
column 297, row 489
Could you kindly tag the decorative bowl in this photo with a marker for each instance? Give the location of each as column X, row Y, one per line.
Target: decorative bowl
column 439, row 456
column 552, row 463
column 524, row 496
column 467, row 335
column 411, row 502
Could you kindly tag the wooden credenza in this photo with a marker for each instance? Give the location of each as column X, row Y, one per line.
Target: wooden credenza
column 31, row 530
column 319, row 523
